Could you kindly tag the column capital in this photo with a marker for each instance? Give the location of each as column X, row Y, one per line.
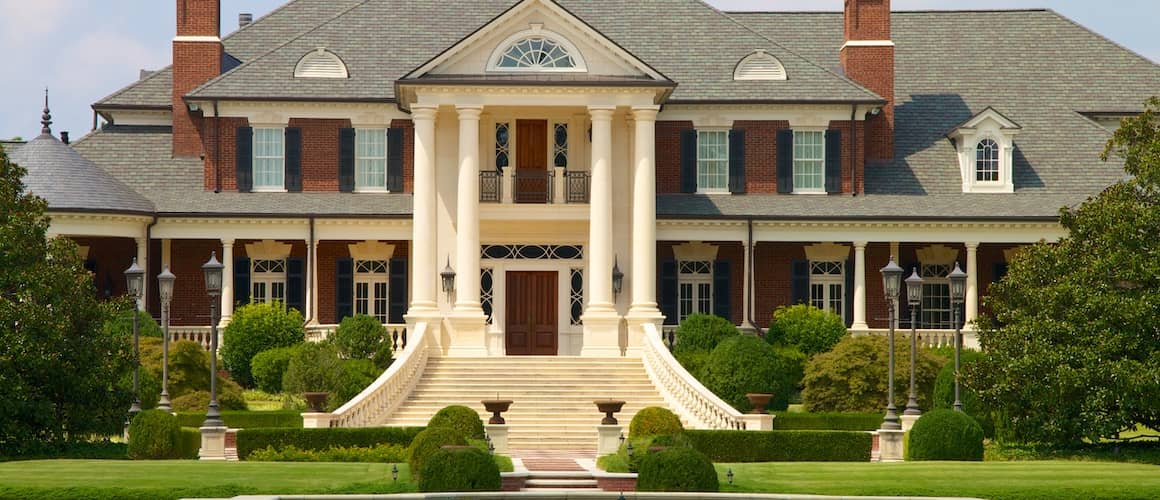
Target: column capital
column 971, row 245
column 469, row 112
column 424, row 112
column 861, row 244
column 227, row 242
column 645, row 113
column 601, row 113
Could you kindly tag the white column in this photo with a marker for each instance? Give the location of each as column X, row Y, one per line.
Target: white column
column 467, row 213
column 424, row 235
column 227, row 281
column 601, row 322
column 859, row 287
column 644, row 211
column 312, row 290
column 143, row 262
column 972, row 302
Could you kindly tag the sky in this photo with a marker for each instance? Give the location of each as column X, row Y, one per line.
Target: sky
column 84, row 50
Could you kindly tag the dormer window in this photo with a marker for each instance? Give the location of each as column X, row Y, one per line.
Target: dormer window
column 536, row 50
column 987, row 161
column 986, row 145
column 321, row 63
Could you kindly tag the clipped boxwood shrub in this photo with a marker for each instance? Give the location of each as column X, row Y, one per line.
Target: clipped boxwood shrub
column 229, row 398
column 654, row 421
column 852, row 376
column 269, row 367
column 702, row 332
column 644, row 445
column 362, row 337
column 383, row 453
column 256, row 328
column 188, row 442
column 944, row 392
column 742, row 365
column 153, row 435
column 782, row 446
column 246, row 419
column 313, row 367
column 829, row 421
column 323, row 439
column 945, row 435
column 811, row 330
column 676, row 469
column 460, row 418
column 429, row 442
column 459, row 469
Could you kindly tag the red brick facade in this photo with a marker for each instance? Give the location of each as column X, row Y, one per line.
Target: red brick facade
column 760, row 154
column 194, row 63
column 220, row 142
column 668, row 139
column 319, row 152
column 190, row 304
column 772, row 274
column 873, row 67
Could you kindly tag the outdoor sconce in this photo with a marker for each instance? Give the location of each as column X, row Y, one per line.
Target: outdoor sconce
column 135, row 280
column 914, row 289
column 958, row 281
column 891, row 280
column 448, row 276
column 617, row 278
column 213, row 275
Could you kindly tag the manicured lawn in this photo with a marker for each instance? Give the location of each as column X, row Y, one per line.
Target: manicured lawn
column 96, row 479
column 993, row 480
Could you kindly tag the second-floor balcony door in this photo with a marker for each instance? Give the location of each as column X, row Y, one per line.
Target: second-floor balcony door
column 532, row 180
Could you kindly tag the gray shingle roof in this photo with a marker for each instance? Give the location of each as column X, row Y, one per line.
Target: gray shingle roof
column 70, row 182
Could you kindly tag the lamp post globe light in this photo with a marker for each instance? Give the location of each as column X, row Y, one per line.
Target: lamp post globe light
column 135, row 284
column 958, row 281
column 891, row 282
column 165, row 282
column 213, row 287
column 914, row 298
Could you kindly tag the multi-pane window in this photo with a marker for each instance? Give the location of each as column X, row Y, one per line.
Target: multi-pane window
column 370, row 288
column 694, row 288
column 536, row 53
column 987, row 161
column 713, row 160
column 370, row 146
column 828, row 287
column 269, row 159
column 809, row 161
column 267, row 281
column 502, row 145
column 560, row 145
column 935, row 312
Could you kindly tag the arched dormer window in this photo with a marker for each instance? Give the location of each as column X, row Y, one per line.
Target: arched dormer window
column 759, row 66
column 987, row 161
column 321, row 63
column 985, row 146
column 536, row 50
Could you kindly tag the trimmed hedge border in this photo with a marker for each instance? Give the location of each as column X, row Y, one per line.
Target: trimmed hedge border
column 782, row 446
column 247, row 419
column 826, row 421
column 188, row 443
column 322, row 439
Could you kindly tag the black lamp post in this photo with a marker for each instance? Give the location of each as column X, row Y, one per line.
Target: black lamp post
column 165, row 291
column 958, row 281
column 617, row 278
column 213, row 287
column 914, row 298
column 135, row 281
column 448, row 276
column 891, row 283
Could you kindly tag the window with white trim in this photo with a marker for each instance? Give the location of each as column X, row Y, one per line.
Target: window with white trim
column 935, row 312
column 987, row 161
column 370, row 152
column 828, row 287
column 536, row 52
column 269, row 159
column 371, row 279
column 809, row 161
column 713, row 161
column 267, row 281
column 694, row 288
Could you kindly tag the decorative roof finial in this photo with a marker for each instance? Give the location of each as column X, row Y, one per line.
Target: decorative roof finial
column 46, row 118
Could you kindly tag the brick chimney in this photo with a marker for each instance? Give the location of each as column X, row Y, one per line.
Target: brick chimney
column 197, row 58
column 867, row 57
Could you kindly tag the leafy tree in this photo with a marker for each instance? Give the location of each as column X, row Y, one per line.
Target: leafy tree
column 59, row 371
column 1073, row 347
column 808, row 328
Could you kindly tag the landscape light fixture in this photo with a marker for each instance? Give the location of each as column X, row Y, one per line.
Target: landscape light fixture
column 212, row 270
column 135, row 284
column 165, row 282
column 891, row 281
column 958, row 281
column 914, row 298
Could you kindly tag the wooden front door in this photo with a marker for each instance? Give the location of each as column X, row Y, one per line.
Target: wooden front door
column 532, row 319
column 531, row 181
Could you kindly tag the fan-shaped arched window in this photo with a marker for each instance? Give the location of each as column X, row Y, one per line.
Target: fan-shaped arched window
column 759, row 66
column 536, row 50
column 320, row 63
column 987, row 161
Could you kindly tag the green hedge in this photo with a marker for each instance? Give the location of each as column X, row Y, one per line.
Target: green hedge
column 677, row 469
column 383, row 453
column 828, row 421
column 153, row 435
column 462, row 469
column 782, row 446
column 322, row 439
column 188, row 443
column 246, row 419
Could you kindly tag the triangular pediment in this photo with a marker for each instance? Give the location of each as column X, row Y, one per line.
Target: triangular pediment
column 537, row 37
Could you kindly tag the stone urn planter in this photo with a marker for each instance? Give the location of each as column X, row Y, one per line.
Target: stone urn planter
column 496, row 407
column 609, row 407
column 316, row 401
column 759, row 402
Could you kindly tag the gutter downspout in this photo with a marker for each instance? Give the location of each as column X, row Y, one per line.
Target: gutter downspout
column 311, row 251
column 149, row 258
column 854, row 153
column 752, row 280
column 217, row 149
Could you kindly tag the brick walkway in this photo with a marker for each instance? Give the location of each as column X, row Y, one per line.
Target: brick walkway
column 552, row 460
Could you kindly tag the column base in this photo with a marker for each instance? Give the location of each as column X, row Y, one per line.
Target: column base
column 609, row 439
column 637, row 318
column 213, row 444
column 890, row 446
column 601, row 334
column 859, row 327
column 468, row 334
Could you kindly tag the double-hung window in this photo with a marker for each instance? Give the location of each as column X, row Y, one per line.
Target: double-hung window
column 713, row 161
column 827, row 287
column 371, row 159
column 371, row 288
column 267, row 281
column 694, row 288
column 269, row 159
column 935, row 312
column 809, row 161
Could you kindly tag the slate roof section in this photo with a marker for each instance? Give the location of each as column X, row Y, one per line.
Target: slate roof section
column 71, row 183
column 972, row 207
column 141, row 158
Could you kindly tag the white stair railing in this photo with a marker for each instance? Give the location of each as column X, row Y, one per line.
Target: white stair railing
column 684, row 393
column 384, row 396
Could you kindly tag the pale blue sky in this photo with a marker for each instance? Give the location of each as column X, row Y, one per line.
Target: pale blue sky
column 84, row 50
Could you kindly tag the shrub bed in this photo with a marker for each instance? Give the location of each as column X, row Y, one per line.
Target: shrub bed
column 852, row 376
column 427, row 443
column 945, row 435
column 459, row 469
column 383, row 453
column 654, row 421
column 153, row 435
column 82, row 450
column 677, row 469
column 831, row 421
column 246, row 419
column 460, row 418
column 322, row 439
column 782, row 446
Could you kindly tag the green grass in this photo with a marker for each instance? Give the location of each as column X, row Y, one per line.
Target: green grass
column 96, row 479
column 992, row 480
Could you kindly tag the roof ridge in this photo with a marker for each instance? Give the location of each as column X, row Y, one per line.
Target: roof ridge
column 900, row 11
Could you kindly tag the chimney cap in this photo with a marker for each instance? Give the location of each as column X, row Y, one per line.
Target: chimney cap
column 245, row 19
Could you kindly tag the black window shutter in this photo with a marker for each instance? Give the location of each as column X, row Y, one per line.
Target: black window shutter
column 736, row 161
column 849, row 292
column 344, row 289
column 785, row 161
column 241, row 281
column 398, row 291
column 833, row 161
column 668, row 295
column 395, row 160
column 689, row 161
column 800, row 282
column 294, row 160
column 244, row 159
column 295, row 284
column 346, row 160
column 722, row 290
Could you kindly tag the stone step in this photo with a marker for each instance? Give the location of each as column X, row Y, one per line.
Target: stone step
column 555, row 484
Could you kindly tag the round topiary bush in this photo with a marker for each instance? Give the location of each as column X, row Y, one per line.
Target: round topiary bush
column 743, row 365
column 429, row 442
column 676, row 469
column 702, row 332
column 654, row 421
column 359, row 336
column 806, row 327
column 459, row 469
column 945, row 435
column 852, row 376
column 256, row 328
column 153, row 435
column 269, row 367
column 461, row 418
column 944, row 392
